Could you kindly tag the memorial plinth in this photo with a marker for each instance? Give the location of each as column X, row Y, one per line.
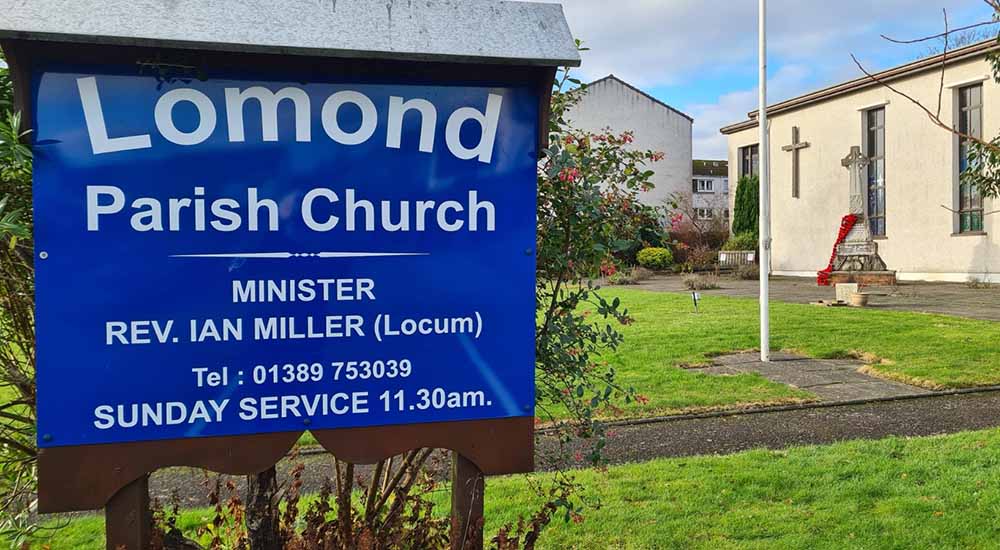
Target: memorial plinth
column 857, row 259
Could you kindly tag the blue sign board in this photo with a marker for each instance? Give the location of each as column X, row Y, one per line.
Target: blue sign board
column 248, row 253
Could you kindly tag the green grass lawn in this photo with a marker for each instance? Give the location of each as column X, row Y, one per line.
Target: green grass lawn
column 934, row 492
column 935, row 351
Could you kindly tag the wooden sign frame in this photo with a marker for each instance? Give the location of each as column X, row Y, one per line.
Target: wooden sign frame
column 115, row 476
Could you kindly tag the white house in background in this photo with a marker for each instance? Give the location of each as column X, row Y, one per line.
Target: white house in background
column 613, row 103
column 927, row 223
column 710, row 190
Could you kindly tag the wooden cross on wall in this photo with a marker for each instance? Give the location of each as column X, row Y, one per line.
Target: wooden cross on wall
column 794, row 149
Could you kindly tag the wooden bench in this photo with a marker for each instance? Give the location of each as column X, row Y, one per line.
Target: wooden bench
column 736, row 258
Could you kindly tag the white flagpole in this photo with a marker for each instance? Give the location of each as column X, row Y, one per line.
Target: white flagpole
column 765, row 193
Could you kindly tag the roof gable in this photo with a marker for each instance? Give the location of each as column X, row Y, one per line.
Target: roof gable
column 889, row 75
column 613, row 78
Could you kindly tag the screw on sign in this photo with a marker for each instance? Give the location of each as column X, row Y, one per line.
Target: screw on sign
column 201, row 219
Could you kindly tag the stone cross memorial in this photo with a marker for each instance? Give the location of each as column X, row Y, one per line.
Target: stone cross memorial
column 857, row 259
column 254, row 219
column 855, row 163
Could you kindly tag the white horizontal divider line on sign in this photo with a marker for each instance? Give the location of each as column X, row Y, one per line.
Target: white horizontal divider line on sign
column 284, row 255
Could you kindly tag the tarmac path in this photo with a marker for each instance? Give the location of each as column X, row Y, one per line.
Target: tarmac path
column 721, row 433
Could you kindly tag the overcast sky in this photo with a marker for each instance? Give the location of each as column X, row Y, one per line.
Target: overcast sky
column 701, row 56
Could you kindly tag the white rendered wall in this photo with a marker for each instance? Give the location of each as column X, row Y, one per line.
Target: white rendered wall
column 717, row 199
column 921, row 172
column 611, row 104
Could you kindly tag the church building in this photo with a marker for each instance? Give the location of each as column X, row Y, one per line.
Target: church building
column 925, row 223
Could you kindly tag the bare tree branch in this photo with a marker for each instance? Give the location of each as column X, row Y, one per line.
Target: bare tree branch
column 943, row 34
column 953, row 211
column 373, row 491
column 413, row 472
column 944, row 63
column 934, row 118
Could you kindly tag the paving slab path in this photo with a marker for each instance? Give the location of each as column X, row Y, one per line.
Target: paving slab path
column 831, row 380
column 945, row 298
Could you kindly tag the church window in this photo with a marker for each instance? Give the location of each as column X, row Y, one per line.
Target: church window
column 970, row 122
column 875, row 151
column 749, row 160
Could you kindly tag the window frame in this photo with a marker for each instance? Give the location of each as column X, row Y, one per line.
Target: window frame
column 968, row 200
column 747, row 154
column 708, row 184
column 875, row 183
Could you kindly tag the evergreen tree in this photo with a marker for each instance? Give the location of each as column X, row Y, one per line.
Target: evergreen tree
column 745, row 215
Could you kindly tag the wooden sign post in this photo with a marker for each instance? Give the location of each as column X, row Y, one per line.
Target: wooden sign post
column 468, row 491
column 128, row 520
column 257, row 219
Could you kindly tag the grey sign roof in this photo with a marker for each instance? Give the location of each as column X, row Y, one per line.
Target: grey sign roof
column 490, row 31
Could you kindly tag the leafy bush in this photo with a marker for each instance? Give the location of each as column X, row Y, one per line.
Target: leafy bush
column 713, row 238
column 622, row 278
column 741, row 241
column 655, row 258
column 17, row 329
column 631, row 276
column 701, row 281
column 637, row 226
column 746, row 209
column 702, row 258
column 641, row 273
column 747, row 272
column 686, row 238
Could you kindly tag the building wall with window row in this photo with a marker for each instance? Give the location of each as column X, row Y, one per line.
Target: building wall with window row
column 710, row 190
column 928, row 225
